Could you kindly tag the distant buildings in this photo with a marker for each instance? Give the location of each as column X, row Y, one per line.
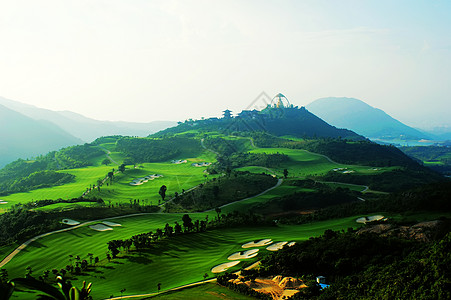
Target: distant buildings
column 227, row 114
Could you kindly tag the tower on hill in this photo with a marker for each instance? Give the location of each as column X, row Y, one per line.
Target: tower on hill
column 227, row 114
column 280, row 101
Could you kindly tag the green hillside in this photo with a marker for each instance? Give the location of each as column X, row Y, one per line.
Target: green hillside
column 273, row 120
column 239, row 182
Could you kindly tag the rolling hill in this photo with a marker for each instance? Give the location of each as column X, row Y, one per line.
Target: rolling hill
column 362, row 118
column 279, row 121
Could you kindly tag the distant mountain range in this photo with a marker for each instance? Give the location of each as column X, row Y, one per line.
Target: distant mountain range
column 85, row 128
column 364, row 119
column 27, row 130
column 23, row 137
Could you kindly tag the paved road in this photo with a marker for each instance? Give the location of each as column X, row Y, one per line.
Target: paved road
column 24, row 245
column 170, row 290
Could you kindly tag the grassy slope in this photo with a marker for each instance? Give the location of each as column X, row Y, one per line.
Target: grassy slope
column 176, row 177
column 206, row 291
column 303, row 163
column 188, row 256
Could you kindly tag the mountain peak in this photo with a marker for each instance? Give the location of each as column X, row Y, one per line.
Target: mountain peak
column 362, row 118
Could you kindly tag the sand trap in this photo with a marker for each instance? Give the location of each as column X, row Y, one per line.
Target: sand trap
column 291, row 244
column 257, row 243
column 3, row 202
column 179, row 161
column 70, row 222
column 111, row 224
column 224, row 267
column 100, row 227
column 365, row 220
column 202, row 164
column 276, row 246
column 243, row 254
column 348, row 172
column 142, row 180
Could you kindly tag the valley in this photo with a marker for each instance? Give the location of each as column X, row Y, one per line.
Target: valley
column 156, row 213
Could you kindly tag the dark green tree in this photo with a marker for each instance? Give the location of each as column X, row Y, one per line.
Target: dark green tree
column 285, row 173
column 162, row 191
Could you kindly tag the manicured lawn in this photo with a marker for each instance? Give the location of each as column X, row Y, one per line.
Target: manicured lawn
column 84, row 177
column 173, row 262
column 175, row 176
column 205, row 291
column 282, row 190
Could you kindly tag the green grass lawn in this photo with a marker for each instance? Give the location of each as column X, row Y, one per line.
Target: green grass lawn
column 245, row 205
column 175, row 176
column 66, row 206
column 352, row 187
column 303, row 163
column 205, row 291
column 84, row 177
column 173, row 262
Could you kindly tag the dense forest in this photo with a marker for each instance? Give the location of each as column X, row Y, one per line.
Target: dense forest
column 426, row 198
column 347, row 152
column 141, row 150
column 278, row 121
column 389, row 181
column 314, row 197
column 219, row 191
column 438, row 158
column 362, row 266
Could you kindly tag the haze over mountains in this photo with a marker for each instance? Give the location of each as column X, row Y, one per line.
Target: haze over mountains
column 28, row 131
column 364, row 119
column 23, row 137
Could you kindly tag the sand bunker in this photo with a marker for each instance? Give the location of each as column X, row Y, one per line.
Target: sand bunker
column 257, row 243
column 276, row 246
column 291, row 244
column 111, row 224
column 365, row 220
column 202, row 164
column 243, row 254
column 179, row 161
column 142, row 180
column 70, row 222
column 3, row 202
column 348, row 172
column 224, row 267
column 100, row 227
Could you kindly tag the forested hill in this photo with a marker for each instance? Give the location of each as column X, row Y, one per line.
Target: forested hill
column 292, row 121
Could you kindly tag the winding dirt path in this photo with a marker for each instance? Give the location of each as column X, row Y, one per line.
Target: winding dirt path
column 107, row 153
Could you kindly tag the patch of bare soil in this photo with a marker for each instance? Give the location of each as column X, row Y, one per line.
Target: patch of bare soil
column 421, row 231
column 278, row 287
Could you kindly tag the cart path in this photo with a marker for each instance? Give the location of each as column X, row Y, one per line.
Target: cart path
column 279, row 182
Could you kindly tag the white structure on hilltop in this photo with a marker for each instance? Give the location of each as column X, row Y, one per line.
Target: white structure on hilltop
column 280, row 101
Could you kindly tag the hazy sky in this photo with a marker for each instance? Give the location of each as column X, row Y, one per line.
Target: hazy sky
column 171, row 60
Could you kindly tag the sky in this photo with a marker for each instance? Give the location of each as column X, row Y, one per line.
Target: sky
column 144, row 60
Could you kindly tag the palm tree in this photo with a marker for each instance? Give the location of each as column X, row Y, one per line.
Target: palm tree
column 69, row 292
